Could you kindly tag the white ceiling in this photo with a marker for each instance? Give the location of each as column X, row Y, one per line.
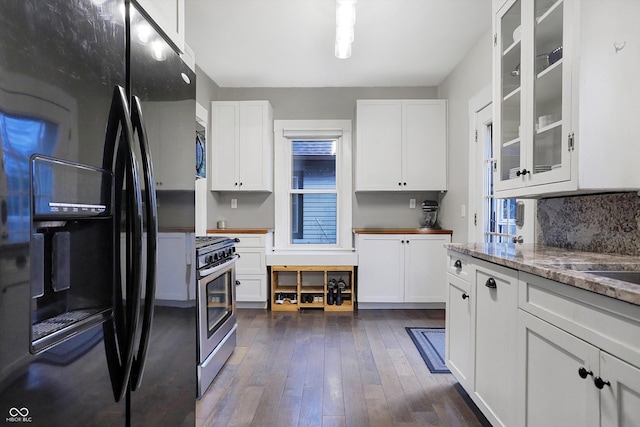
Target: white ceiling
column 290, row 43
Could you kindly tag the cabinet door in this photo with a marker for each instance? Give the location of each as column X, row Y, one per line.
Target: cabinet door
column 378, row 145
column 509, row 79
column 549, row 117
column 169, row 15
column 224, row 146
column 620, row 400
column 251, row 288
column 380, row 268
column 459, row 336
column 424, row 143
column 174, row 267
column 425, row 268
column 496, row 317
column 551, row 390
column 255, row 148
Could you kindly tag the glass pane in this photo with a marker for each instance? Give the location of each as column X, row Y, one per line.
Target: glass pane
column 314, row 165
column 313, row 219
column 547, row 139
column 511, row 59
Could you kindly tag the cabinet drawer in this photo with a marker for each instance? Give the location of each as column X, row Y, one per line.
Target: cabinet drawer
column 609, row 324
column 251, row 261
column 249, row 240
column 459, row 265
column 251, row 288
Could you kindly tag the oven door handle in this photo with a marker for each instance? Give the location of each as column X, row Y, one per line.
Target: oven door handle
column 204, row 272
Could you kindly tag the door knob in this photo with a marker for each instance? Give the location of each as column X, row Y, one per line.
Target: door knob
column 457, row 264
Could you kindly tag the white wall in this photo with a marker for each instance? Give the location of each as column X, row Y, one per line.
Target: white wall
column 256, row 210
column 470, row 77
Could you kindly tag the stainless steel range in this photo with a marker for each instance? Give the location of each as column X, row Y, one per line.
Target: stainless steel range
column 216, row 293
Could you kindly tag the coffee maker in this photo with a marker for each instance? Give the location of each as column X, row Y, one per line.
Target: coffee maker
column 429, row 216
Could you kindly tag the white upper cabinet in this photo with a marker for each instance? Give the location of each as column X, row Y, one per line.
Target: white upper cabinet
column 401, row 145
column 564, row 96
column 169, row 15
column 241, row 146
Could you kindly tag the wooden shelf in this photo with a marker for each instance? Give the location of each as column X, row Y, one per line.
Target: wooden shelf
column 311, row 280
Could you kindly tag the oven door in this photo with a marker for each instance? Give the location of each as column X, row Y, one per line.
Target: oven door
column 216, row 306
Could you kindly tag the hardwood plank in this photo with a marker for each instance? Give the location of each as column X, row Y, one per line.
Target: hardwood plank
column 316, row 368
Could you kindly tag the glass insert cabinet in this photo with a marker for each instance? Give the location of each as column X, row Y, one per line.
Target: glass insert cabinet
column 532, row 94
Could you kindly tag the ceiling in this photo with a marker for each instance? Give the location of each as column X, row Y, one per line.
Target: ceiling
column 290, row 43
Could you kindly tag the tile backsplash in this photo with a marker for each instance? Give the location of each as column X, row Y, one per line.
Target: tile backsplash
column 596, row 223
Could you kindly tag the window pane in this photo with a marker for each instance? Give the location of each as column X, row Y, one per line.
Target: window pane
column 313, row 219
column 314, row 165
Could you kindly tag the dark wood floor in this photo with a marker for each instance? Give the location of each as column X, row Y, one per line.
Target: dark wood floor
column 332, row 369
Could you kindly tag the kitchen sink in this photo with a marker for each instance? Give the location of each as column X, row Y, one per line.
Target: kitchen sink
column 626, row 276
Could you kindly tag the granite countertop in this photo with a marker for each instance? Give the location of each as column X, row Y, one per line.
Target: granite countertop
column 400, row 231
column 561, row 265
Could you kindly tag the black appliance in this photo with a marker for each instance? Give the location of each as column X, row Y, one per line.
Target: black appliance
column 82, row 340
column 216, row 290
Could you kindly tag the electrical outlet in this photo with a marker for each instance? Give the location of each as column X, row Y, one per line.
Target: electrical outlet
column 234, row 203
column 463, row 211
column 412, row 203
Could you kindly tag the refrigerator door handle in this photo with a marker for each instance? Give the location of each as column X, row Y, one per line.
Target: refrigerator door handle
column 119, row 157
column 152, row 242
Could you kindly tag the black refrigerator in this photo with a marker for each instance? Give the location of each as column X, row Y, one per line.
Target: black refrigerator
column 83, row 342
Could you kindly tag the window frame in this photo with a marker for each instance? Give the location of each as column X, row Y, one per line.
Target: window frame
column 287, row 131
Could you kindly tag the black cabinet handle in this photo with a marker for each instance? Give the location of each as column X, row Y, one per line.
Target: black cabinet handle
column 238, row 283
column 237, row 240
column 465, row 296
column 404, row 183
column 523, row 172
column 400, row 184
column 583, row 372
column 600, row 383
column 457, row 264
column 491, row 283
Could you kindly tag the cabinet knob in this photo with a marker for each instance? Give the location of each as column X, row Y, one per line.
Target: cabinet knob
column 240, row 184
column 402, row 241
column 400, row 184
column 491, row 283
column 465, row 295
column 404, row 183
column 583, row 372
column 457, row 264
column 238, row 283
column 600, row 383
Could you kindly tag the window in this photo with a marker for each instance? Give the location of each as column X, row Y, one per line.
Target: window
column 19, row 137
column 499, row 214
column 313, row 184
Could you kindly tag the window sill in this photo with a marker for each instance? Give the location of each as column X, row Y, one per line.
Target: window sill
column 319, row 257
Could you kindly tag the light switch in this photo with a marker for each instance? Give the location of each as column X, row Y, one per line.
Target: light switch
column 463, row 211
column 234, row 203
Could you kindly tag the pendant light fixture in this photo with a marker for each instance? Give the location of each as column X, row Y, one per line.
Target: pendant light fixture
column 345, row 22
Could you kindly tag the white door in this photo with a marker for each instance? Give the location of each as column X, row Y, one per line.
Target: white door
column 620, row 399
column 380, row 268
column 224, row 143
column 552, row 390
column 252, row 156
column 459, row 335
column 496, row 316
column 425, row 264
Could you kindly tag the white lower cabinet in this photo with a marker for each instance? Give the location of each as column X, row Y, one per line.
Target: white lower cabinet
column 459, row 336
column 251, row 268
column 572, row 344
column 533, row 352
column 401, row 268
column 552, row 392
column 175, row 278
column 495, row 336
